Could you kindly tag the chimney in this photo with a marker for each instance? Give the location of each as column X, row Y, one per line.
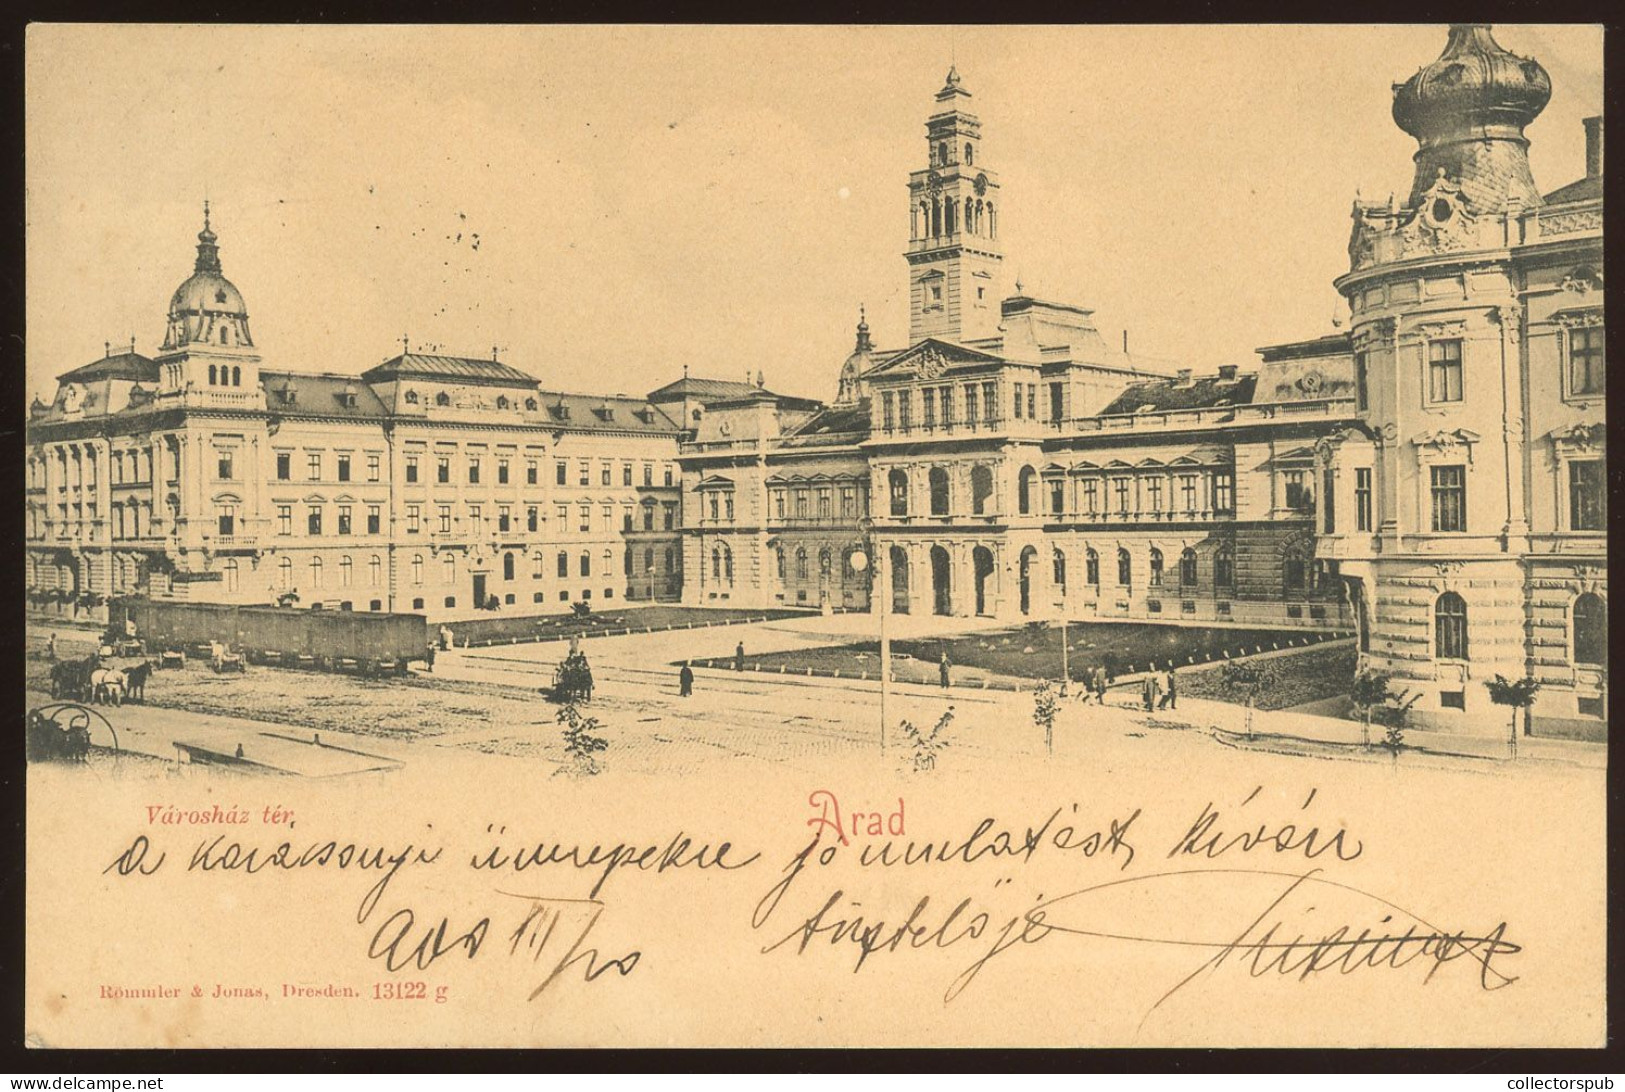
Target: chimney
column 1184, row 377
column 1227, row 372
column 1593, row 146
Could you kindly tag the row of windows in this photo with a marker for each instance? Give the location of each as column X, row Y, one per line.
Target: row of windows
column 1589, row 617
column 314, row 466
column 1585, row 367
column 1124, row 495
column 806, row 503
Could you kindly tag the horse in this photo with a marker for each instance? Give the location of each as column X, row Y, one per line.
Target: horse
column 135, row 681
column 72, row 678
column 107, row 684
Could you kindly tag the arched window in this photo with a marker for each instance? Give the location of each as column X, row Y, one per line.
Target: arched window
column 375, row 570
column 223, row 335
column 315, row 572
column 214, row 377
column 448, row 569
column 609, row 562
column 1058, row 563
column 970, row 155
column 564, row 564
column 1125, row 568
column 727, row 564
column 716, row 563
column 648, row 560
column 981, row 488
column 1187, row 567
column 1224, row 568
column 1450, row 627
column 586, row 563
column 939, row 491
column 1590, row 629
column 1024, row 490
column 346, row 570
column 824, row 562
column 898, row 481
column 236, row 376
column 992, row 222
column 417, row 570
column 1294, row 571
column 779, row 556
column 1156, row 568
column 942, row 155
column 671, row 560
column 507, row 566
column 230, row 578
column 801, row 563
column 1091, row 568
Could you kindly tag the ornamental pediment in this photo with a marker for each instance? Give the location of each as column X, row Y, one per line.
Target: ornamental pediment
column 930, row 359
column 1588, row 436
column 1447, row 442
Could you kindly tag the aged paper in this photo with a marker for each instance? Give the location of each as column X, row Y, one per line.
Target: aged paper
column 607, row 598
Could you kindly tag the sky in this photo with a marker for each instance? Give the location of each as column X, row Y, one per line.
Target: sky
column 606, row 205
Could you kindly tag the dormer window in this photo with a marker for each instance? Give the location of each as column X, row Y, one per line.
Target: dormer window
column 605, row 413
column 347, row 397
column 289, row 396
column 560, row 411
column 220, row 295
column 530, row 404
column 411, row 398
column 442, row 399
column 502, row 401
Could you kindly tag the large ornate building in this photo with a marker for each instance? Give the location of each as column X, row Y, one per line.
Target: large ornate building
column 1432, row 478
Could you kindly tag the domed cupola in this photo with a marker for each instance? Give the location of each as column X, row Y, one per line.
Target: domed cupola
column 852, row 387
column 207, row 308
column 1468, row 110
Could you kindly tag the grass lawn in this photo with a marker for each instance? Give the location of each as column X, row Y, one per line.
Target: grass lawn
column 1023, row 653
column 500, row 628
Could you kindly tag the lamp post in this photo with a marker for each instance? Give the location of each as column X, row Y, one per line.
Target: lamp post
column 861, row 561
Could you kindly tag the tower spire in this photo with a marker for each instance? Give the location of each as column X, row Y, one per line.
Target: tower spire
column 208, row 254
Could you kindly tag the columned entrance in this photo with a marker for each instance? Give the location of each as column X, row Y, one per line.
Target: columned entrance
column 941, row 581
column 982, row 563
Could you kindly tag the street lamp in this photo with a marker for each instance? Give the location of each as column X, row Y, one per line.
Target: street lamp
column 861, row 562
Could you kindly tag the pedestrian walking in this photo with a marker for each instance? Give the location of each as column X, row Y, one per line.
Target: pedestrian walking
column 430, row 656
column 1100, row 684
column 943, row 669
column 445, row 637
column 1170, row 699
column 50, row 647
column 685, row 681
column 739, row 656
column 1148, row 692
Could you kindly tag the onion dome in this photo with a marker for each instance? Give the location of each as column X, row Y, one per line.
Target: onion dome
column 207, row 307
column 1468, row 110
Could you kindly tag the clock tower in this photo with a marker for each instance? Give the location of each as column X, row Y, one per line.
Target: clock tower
column 954, row 255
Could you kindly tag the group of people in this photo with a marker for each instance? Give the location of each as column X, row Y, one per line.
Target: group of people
column 1159, row 690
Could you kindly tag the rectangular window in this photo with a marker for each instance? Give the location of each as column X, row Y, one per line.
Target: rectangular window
column 1224, row 492
column 530, row 472
column 849, row 502
column 671, row 516
column 411, row 469
column 728, row 506
column 584, row 524
column 715, row 505
column 284, row 519
column 887, row 419
column 1120, row 490
column 224, row 468
column 1444, row 370
column 1588, row 507
column 1328, row 502
column 1153, row 494
column 1032, row 401
column 671, row 475
column 414, row 519
column 442, row 469
column 928, row 407
column 801, row 504
column 445, row 519
column 945, row 397
column 344, row 468
column 648, row 473
column 824, row 505
column 533, row 519
column 604, row 472
column 584, row 472
column 560, row 472
column 313, row 465
column 990, row 401
column 905, row 410
column 1586, row 360
column 1017, row 401
column 504, row 519
column 1091, row 498
column 563, row 514
column 313, row 521
column 1187, row 492
column 1297, row 490
column 1362, row 498
column 626, row 473
column 226, row 519
column 1057, row 496
column 473, row 470
column 375, row 464
column 284, row 466
column 344, row 519
column 1057, row 395
column 1362, row 400
column 1449, row 498
column 476, row 520
column 970, row 404
column 502, row 471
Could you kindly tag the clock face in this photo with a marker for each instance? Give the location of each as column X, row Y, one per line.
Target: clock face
column 981, row 184
column 933, row 182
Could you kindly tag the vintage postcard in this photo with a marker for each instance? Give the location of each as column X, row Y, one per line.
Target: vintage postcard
column 626, row 536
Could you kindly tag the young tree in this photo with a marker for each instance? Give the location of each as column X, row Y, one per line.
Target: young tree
column 1045, row 705
column 927, row 745
column 1370, row 690
column 1515, row 694
column 580, row 742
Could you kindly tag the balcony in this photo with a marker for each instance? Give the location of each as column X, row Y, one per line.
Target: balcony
column 221, row 544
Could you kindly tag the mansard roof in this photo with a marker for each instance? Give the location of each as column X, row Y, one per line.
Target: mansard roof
column 706, row 389
column 1171, row 394
column 836, row 426
column 457, row 369
column 617, row 413
column 126, row 365
column 318, row 394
